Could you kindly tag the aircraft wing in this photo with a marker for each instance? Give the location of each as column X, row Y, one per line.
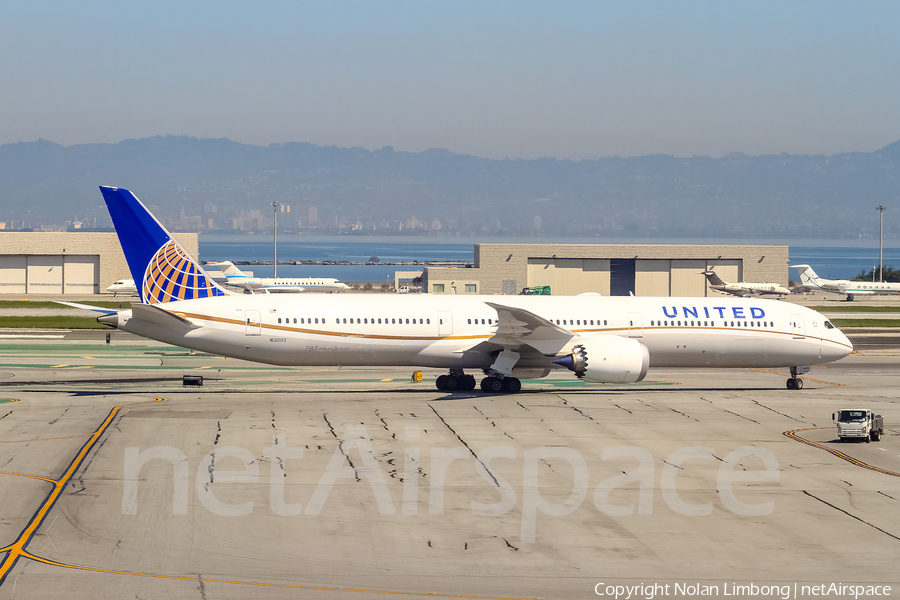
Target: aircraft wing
column 518, row 327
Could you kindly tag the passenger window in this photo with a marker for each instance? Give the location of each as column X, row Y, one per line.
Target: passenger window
column 427, row 321
column 470, row 321
column 279, row 319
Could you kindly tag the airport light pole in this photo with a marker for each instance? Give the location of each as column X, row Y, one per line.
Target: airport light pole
column 275, row 235
column 881, row 208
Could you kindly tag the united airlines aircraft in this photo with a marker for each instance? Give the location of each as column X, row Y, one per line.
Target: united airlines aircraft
column 599, row 338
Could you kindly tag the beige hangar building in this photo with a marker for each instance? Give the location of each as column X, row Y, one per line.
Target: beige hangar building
column 66, row 262
column 609, row 269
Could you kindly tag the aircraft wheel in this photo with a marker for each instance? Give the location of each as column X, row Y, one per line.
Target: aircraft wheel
column 441, row 382
column 492, row 385
column 467, row 382
column 511, row 385
column 452, row 383
column 798, row 384
column 790, row 384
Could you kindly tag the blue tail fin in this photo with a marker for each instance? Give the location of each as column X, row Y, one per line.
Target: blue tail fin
column 162, row 270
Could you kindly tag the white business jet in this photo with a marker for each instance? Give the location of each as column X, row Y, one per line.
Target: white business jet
column 601, row 339
column 238, row 278
column 744, row 289
column 845, row 286
column 123, row 286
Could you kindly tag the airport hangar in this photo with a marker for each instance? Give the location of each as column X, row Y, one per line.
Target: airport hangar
column 83, row 262
column 89, row 262
column 609, row 269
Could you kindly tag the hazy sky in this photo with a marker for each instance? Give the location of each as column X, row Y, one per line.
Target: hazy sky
column 494, row 79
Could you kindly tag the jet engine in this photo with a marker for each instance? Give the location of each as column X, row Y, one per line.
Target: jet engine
column 607, row 359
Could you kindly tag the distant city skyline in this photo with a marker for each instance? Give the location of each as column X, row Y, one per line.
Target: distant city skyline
column 574, row 80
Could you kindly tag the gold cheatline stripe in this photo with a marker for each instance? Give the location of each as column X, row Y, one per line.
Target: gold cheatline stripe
column 255, row 583
column 792, row 434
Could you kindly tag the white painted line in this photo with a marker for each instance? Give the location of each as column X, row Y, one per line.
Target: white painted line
column 12, row 336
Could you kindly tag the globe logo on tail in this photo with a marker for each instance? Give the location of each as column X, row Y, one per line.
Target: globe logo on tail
column 172, row 275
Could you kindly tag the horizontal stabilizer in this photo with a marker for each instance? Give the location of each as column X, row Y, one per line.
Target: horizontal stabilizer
column 105, row 311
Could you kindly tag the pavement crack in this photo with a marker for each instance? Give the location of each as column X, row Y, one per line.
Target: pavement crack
column 510, row 546
column 520, row 404
column 851, row 515
column 6, row 415
column 758, row 403
column 53, row 422
column 463, row 442
column 888, row 495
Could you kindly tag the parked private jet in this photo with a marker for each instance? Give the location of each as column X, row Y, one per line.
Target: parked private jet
column 123, row 286
column 238, row 278
column 845, row 286
column 743, row 289
column 600, row 339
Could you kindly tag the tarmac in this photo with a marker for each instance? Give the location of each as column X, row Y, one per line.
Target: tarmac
column 120, row 482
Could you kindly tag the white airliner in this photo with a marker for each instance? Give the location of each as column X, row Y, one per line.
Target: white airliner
column 601, row 339
column 238, row 278
column 744, row 289
column 123, row 286
column 845, row 286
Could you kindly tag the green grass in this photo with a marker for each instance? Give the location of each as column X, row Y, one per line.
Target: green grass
column 844, row 323
column 50, row 323
column 48, row 304
column 857, row 309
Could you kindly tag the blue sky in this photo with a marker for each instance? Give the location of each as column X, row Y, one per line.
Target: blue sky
column 495, row 79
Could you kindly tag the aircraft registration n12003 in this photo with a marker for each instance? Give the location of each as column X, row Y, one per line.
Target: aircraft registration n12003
column 600, row 339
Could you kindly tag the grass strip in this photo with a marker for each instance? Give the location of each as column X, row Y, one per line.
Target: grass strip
column 47, row 304
column 59, row 322
column 857, row 309
column 862, row 323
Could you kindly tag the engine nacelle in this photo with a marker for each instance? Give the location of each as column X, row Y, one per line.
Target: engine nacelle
column 607, row 359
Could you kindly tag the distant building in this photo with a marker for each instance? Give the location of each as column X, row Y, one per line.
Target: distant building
column 609, row 269
column 312, row 216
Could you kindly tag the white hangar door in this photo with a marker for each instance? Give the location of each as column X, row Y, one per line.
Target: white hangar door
column 44, row 274
column 12, row 274
column 81, row 275
column 49, row 274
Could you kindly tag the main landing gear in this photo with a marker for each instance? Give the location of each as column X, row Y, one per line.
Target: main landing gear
column 456, row 380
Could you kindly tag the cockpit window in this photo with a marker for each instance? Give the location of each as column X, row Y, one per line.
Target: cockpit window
column 828, row 325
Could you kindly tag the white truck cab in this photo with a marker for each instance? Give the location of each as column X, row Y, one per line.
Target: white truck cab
column 858, row 423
